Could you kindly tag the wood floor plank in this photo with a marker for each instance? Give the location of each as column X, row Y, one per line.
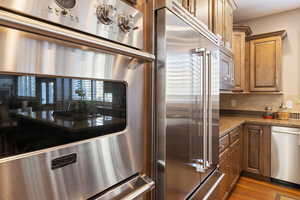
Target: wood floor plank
column 250, row 189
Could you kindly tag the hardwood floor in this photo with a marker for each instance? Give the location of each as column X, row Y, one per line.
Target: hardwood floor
column 250, row 189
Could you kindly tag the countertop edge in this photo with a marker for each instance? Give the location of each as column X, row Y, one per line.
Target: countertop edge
column 257, row 121
column 225, row 132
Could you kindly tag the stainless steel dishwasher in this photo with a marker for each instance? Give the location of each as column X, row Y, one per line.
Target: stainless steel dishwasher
column 285, row 154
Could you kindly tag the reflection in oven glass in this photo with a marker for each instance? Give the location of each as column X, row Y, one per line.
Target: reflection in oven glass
column 42, row 112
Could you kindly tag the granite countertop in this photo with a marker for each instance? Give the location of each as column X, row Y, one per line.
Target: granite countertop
column 228, row 122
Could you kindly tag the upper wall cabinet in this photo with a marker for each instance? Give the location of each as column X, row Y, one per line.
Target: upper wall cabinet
column 219, row 18
column 204, row 12
column 223, row 21
column 201, row 9
column 265, row 61
column 239, row 51
column 217, row 15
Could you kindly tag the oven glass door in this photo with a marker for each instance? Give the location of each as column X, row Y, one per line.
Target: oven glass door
column 39, row 112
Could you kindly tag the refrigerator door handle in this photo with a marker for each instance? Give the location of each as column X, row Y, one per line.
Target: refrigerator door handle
column 204, row 117
column 202, row 53
column 209, row 107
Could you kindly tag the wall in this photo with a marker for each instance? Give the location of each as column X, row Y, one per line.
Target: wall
column 289, row 21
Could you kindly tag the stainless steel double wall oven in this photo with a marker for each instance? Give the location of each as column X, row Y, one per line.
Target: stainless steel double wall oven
column 71, row 100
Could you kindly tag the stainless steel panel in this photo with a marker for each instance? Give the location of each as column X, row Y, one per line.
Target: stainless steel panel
column 84, row 17
column 285, row 154
column 183, row 86
column 26, row 24
column 101, row 162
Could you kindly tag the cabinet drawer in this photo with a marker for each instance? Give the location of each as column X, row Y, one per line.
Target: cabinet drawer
column 223, row 143
column 234, row 135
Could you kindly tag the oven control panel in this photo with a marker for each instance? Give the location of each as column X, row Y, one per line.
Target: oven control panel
column 114, row 20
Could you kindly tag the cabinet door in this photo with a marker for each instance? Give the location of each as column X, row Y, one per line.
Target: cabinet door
column 228, row 28
column 265, row 62
column 227, row 74
column 204, row 11
column 235, row 150
column 239, row 61
column 219, row 18
column 257, row 149
column 225, row 168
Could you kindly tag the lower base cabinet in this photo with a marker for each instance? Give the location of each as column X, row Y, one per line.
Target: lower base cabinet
column 230, row 164
column 245, row 149
column 257, row 150
column 225, row 168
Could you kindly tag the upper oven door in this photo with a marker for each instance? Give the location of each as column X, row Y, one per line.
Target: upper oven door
column 40, row 67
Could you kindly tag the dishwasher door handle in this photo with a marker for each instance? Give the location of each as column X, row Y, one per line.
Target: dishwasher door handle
column 285, row 130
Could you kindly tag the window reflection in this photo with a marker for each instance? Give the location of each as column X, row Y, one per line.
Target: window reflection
column 26, row 86
column 42, row 93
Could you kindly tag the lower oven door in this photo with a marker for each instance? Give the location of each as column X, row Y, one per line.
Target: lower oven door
column 71, row 119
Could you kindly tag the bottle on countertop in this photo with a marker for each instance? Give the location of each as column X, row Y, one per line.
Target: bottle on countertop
column 268, row 114
column 283, row 113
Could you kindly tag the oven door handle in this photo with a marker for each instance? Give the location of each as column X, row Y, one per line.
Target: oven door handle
column 130, row 190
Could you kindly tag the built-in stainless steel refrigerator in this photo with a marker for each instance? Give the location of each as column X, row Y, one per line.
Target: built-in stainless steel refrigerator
column 187, row 107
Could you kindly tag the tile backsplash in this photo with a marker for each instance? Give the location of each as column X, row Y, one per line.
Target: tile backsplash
column 258, row 102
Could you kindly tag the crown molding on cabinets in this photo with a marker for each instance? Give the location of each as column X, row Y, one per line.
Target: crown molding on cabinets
column 242, row 28
column 281, row 33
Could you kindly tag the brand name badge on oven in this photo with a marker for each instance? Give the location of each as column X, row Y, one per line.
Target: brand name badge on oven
column 63, row 161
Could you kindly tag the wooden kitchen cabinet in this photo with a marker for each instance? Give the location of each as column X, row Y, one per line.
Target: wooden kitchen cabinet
column 229, row 162
column 223, row 21
column 201, row 9
column 239, row 51
column 224, row 163
column 219, row 18
column 204, row 12
column 235, row 152
column 257, row 149
column 228, row 21
column 265, row 61
column 216, row 15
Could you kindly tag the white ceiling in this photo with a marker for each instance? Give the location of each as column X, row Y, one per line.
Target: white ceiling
column 249, row 9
